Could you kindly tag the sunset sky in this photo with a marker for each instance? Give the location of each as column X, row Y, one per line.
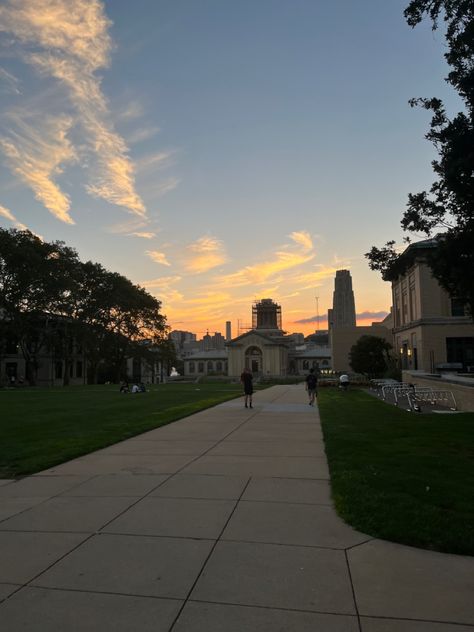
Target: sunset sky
column 215, row 151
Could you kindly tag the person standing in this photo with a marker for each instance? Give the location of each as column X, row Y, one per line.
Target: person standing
column 311, row 386
column 247, row 380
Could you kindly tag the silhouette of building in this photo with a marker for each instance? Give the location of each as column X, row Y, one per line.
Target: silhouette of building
column 343, row 305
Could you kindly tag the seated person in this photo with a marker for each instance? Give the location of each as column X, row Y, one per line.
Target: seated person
column 124, row 387
column 344, row 381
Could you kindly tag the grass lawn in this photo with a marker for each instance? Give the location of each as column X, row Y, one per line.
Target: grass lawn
column 40, row 428
column 401, row 476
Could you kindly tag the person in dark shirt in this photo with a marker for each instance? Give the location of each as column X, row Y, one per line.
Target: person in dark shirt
column 247, row 380
column 311, row 386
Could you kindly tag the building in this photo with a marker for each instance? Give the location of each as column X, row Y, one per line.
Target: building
column 343, row 312
column 268, row 352
column 212, row 362
column 432, row 331
column 342, row 339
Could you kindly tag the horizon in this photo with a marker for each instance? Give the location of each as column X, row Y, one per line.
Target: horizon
column 219, row 153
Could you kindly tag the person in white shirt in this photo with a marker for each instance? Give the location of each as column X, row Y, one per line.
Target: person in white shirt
column 344, row 381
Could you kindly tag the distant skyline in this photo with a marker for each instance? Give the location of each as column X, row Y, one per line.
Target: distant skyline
column 218, row 152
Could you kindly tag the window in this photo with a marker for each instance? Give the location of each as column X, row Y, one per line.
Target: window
column 458, row 307
column 219, row 367
column 192, row 367
column 460, row 350
column 11, row 347
column 78, row 368
column 11, row 369
column 210, row 366
column 71, row 370
column 58, row 370
column 200, row 367
column 305, row 365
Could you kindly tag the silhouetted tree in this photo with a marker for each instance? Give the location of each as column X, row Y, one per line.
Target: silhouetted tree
column 449, row 204
column 50, row 299
column 370, row 356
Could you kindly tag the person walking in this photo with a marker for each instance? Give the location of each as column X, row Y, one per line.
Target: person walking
column 247, row 380
column 311, row 386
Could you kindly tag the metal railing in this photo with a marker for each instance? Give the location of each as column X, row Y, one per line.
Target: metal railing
column 432, row 397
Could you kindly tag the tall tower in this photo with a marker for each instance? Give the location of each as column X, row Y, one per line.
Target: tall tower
column 343, row 305
column 228, row 330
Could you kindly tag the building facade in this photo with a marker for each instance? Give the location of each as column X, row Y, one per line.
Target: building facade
column 432, row 331
column 213, row 362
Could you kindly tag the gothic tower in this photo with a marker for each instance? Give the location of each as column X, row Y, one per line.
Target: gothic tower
column 343, row 305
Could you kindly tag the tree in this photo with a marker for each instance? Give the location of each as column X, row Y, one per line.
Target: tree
column 34, row 282
column 449, row 205
column 51, row 300
column 370, row 356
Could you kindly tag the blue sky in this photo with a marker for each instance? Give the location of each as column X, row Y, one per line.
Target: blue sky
column 216, row 151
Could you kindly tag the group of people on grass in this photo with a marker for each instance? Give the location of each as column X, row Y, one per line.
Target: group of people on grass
column 136, row 388
column 311, row 385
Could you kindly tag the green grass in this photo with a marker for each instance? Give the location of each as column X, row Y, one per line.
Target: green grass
column 40, row 428
column 401, row 476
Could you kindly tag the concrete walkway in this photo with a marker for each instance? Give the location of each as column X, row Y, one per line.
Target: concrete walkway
column 219, row 522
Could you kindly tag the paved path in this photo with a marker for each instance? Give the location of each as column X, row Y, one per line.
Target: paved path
column 219, row 522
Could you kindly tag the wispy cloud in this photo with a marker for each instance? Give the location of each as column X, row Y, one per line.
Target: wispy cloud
column 141, row 134
column 161, row 282
column 312, row 319
column 131, row 112
column 71, row 43
column 302, row 238
column 158, row 257
column 7, row 214
column 156, row 160
column 165, row 289
column 313, row 279
column 204, row 254
column 143, row 235
column 371, row 315
column 36, row 157
column 9, row 84
column 367, row 315
column 161, row 188
column 288, row 257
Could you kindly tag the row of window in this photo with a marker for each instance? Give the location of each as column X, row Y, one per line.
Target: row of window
column 219, row 367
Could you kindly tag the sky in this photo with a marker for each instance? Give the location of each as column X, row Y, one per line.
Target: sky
column 219, row 152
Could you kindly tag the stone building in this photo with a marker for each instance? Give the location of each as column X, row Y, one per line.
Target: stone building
column 211, row 362
column 343, row 312
column 431, row 330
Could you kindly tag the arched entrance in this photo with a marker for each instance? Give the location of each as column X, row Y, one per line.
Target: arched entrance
column 254, row 359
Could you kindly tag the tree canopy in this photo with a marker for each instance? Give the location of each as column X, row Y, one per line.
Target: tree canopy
column 370, row 356
column 49, row 297
column 449, row 204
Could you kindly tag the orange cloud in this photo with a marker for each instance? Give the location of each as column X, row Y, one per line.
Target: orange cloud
column 143, row 235
column 73, row 43
column 261, row 272
column 158, row 257
column 204, row 254
column 36, row 157
column 302, row 238
column 7, row 214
